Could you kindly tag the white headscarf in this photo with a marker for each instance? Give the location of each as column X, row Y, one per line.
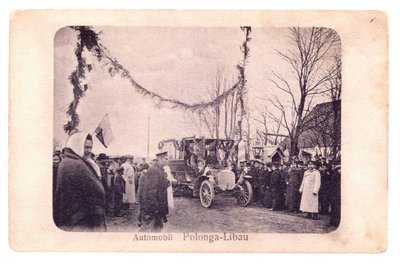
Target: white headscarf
column 76, row 142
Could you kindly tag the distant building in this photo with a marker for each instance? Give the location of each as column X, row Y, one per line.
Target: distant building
column 267, row 153
column 272, row 153
column 321, row 132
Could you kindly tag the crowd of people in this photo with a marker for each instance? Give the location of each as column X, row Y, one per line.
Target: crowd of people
column 87, row 188
column 312, row 188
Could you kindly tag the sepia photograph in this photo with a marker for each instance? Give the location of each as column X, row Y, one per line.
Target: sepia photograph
column 197, row 129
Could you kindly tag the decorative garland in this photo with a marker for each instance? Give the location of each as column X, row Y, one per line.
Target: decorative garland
column 177, row 144
column 89, row 39
column 86, row 38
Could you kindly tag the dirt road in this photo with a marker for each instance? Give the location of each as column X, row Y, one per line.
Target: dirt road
column 224, row 216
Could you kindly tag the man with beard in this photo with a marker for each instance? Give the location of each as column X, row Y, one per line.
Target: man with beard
column 153, row 196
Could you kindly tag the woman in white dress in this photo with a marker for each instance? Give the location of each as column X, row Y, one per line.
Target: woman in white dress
column 309, row 189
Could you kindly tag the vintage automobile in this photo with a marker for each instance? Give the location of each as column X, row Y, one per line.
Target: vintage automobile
column 218, row 154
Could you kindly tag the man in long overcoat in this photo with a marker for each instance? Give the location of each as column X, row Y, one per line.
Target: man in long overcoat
column 325, row 190
column 275, row 186
column 153, row 196
column 119, row 191
column 293, row 196
column 102, row 162
column 309, row 189
column 336, row 196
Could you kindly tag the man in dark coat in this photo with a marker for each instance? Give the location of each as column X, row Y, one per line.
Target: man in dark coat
column 267, row 198
column 276, row 187
column 255, row 173
column 153, row 196
column 324, row 192
column 293, row 196
column 284, row 179
column 80, row 196
column 102, row 162
column 336, row 195
column 119, row 191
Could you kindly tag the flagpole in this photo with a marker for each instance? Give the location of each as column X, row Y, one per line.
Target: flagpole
column 148, row 136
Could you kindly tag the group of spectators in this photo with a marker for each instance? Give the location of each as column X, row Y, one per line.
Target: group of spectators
column 87, row 187
column 296, row 186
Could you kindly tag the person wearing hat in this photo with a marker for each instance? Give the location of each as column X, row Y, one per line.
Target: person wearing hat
column 119, row 191
column 267, row 197
column 275, row 187
column 302, row 166
column 264, row 177
column 255, row 175
column 202, row 168
column 129, row 196
column 324, row 192
column 153, row 196
column 211, row 159
column 102, row 162
column 284, row 167
column 292, row 198
column 309, row 191
column 143, row 172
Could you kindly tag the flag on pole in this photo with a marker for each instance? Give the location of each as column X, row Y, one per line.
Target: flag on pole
column 104, row 132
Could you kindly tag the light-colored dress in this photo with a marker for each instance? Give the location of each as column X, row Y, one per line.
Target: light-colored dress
column 171, row 179
column 309, row 189
column 129, row 196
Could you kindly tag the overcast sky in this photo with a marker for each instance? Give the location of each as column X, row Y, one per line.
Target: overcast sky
column 177, row 63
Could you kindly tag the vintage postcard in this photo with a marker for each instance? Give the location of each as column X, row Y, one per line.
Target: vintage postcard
column 198, row 131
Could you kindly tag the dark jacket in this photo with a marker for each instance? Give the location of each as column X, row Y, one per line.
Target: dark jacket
column 153, row 192
column 119, row 184
column 103, row 171
column 292, row 198
column 80, row 196
column 275, row 182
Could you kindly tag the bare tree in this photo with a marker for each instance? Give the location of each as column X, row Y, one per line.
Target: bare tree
column 233, row 108
column 218, row 119
column 308, row 58
column 269, row 134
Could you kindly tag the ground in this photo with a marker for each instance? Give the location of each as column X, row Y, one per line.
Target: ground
column 225, row 215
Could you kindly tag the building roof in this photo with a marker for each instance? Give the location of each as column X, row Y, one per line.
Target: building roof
column 318, row 126
column 271, row 150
